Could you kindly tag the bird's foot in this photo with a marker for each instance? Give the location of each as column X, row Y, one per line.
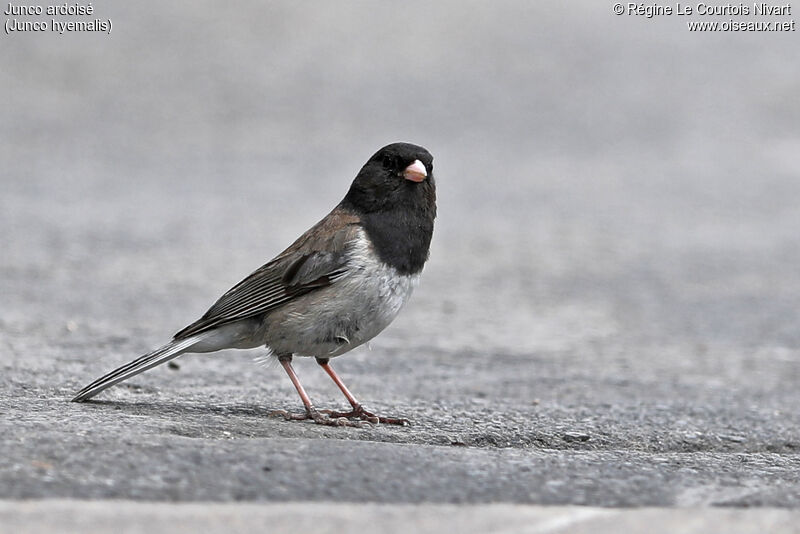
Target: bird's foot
column 358, row 412
column 317, row 417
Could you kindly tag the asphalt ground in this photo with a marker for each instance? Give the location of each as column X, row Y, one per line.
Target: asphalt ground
column 608, row 319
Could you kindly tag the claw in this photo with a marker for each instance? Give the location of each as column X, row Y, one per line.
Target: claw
column 317, row 417
column 358, row 412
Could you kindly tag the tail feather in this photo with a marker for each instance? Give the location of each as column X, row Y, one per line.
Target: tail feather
column 171, row 350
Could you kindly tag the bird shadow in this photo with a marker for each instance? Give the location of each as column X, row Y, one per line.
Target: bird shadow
column 156, row 408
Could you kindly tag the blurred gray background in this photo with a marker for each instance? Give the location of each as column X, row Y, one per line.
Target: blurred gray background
column 609, row 316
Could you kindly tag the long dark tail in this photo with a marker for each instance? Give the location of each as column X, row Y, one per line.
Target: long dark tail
column 171, row 350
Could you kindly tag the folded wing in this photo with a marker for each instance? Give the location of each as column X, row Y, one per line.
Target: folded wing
column 317, row 259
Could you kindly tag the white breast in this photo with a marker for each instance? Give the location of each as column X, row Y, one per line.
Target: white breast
column 336, row 319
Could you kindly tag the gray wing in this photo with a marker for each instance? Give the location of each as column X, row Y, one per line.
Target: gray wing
column 309, row 264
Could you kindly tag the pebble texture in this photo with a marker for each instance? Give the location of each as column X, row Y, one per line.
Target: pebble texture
column 609, row 316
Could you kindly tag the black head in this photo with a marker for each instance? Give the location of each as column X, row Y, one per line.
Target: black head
column 394, row 196
column 397, row 176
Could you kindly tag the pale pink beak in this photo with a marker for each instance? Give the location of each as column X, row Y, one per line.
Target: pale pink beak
column 415, row 172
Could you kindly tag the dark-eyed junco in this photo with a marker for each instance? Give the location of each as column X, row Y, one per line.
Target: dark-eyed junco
column 338, row 286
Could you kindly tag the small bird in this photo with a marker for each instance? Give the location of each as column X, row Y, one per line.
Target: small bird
column 335, row 288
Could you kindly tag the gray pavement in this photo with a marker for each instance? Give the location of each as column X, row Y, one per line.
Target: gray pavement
column 609, row 317
column 127, row 517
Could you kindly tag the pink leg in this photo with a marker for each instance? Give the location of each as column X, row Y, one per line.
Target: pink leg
column 311, row 412
column 358, row 410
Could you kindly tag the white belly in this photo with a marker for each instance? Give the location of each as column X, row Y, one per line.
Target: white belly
column 353, row 310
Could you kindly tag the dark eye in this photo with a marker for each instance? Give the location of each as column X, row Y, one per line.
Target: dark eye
column 387, row 162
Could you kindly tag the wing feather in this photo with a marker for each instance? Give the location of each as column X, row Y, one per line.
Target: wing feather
column 317, row 259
